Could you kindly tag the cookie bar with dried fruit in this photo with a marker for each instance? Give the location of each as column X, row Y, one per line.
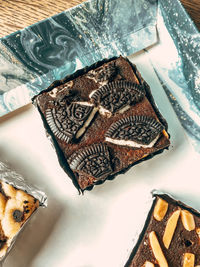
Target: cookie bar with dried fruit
column 170, row 237
column 102, row 120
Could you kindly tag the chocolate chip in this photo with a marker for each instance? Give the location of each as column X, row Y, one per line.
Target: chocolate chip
column 26, row 211
column 18, row 215
column 188, row 243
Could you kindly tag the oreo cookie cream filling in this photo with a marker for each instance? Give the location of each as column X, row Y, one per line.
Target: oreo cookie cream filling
column 135, row 131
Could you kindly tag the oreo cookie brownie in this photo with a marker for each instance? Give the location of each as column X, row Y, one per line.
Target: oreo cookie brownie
column 102, row 120
column 171, row 236
column 16, row 206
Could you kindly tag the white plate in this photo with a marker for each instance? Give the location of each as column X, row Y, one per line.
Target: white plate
column 95, row 229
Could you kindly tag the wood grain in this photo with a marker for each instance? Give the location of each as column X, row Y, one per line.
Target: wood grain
column 17, row 14
column 193, row 9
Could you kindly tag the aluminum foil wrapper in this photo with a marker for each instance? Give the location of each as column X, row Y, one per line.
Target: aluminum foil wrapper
column 31, row 59
column 9, row 176
column 147, row 211
column 13, row 178
column 176, row 62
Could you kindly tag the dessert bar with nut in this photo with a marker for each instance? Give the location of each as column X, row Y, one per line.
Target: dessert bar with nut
column 170, row 237
column 102, row 120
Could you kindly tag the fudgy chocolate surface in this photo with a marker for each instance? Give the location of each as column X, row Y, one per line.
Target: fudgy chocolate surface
column 102, row 120
column 177, row 230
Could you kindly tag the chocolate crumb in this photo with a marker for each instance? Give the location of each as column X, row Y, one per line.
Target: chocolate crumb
column 2, row 243
column 18, row 215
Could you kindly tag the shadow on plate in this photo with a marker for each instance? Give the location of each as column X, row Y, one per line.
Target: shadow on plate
column 34, row 235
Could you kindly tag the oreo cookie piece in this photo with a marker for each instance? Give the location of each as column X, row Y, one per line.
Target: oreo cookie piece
column 95, row 146
column 69, row 122
column 135, row 131
column 117, row 96
column 104, row 74
column 107, row 73
column 93, row 160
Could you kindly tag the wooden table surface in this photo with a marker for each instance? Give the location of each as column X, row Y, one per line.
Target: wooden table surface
column 17, row 14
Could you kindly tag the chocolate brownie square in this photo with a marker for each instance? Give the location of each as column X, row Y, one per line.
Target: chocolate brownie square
column 171, row 236
column 102, row 120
